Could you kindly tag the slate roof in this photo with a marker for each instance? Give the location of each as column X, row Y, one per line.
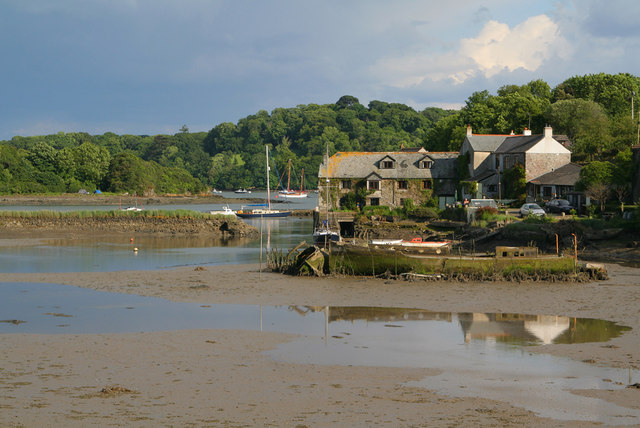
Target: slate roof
column 566, row 175
column 518, row 143
column 485, row 143
column 356, row 165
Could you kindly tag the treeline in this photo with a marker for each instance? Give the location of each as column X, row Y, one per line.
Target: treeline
column 594, row 111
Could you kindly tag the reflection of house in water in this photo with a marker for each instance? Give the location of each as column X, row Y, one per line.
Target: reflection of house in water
column 506, row 328
column 515, row 328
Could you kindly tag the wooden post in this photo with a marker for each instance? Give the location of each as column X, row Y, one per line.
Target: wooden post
column 557, row 248
column 575, row 248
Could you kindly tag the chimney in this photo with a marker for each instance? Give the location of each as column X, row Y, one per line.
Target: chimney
column 469, row 131
column 512, row 133
column 527, row 131
column 548, row 132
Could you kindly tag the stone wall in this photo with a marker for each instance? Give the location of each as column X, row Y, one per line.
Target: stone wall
column 541, row 163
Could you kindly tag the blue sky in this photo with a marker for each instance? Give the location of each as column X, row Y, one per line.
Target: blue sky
column 150, row 66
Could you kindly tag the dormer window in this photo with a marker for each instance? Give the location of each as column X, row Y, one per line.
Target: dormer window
column 373, row 185
column 386, row 164
column 426, row 164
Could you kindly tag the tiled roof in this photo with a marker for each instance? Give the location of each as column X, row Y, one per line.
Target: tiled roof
column 485, row 143
column 566, row 175
column 519, row 143
column 360, row 164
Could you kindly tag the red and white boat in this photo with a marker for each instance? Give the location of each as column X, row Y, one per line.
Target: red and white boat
column 292, row 194
column 414, row 243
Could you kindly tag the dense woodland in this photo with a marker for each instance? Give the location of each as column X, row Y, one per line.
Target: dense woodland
column 594, row 111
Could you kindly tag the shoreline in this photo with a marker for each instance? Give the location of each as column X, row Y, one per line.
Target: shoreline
column 218, row 377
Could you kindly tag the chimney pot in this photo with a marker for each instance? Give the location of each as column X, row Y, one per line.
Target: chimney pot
column 527, row 131
column 469, row 133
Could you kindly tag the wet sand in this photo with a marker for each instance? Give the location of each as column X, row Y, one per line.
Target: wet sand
column 223, row 378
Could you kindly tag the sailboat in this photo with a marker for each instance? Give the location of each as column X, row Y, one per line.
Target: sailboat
column 262, row 212
column 293, row 194
column 323, row 234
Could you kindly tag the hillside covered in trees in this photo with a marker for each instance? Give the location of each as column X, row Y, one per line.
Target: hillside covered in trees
column 594, row 111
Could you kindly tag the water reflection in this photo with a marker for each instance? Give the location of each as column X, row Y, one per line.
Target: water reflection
column 515, row 329
column 89, row 253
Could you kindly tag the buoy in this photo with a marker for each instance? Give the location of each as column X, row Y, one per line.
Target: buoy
column 131, row 240
column 135, row 250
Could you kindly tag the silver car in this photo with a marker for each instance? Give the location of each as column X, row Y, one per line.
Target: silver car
column 531, row 209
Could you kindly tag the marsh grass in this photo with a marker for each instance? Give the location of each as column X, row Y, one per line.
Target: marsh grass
column 87, row 214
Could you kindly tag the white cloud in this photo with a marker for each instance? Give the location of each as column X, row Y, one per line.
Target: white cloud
column 526, row 46
column 495, row 49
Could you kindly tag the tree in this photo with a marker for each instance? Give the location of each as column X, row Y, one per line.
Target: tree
column 584, row 122
column 596, row 172
column 347, row 101
column 599, row 192
column 92, row 163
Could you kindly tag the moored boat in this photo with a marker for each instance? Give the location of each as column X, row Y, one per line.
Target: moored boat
column 224, row 211
column 262, row 212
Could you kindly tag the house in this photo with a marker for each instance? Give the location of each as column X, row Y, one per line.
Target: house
column 557, row 183
column 389, row 177
column 490, row 155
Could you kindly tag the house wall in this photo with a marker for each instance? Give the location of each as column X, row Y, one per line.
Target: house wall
column 537, row 164
column 388, row 194
column 482, row 162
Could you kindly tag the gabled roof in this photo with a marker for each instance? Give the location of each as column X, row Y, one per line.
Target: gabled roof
column 485, row 143
column 566, row 175
column 413, row 149
column 387, row 156
column 518, row 143
column 358, row 165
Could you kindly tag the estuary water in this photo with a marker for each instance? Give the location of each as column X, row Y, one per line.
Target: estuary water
column 478, row 354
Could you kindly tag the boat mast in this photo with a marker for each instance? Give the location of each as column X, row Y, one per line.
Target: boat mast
column 289, row 177
column 268, row 190
column 326, row 162
column 301, row 180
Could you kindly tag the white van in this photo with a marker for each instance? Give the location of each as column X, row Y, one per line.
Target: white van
column 479, row 203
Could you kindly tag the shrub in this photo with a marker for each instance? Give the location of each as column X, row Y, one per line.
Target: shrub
column 486, row 213
column 426, row 213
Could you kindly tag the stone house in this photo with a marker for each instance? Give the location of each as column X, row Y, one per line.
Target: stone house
column 389, row 177
column 557, row 183
column 490, row 155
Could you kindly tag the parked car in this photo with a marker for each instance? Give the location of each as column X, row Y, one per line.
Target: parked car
column 559, row 206
column 531, row 209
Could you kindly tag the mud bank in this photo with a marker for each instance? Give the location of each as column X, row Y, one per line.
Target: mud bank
column 223, row 227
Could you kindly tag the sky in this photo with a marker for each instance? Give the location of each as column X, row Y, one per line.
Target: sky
column 152, row 66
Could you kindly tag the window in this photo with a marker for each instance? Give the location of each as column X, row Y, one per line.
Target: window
column 426, row 184
column 373, row 185
column 403, row 184
column 346, row 184
column 426, row 164
column 374, row 202
column 492, row 188
column 546, row 190
column 387, row 164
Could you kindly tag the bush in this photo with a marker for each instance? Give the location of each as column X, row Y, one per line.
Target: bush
column 486, row 213
column 376, row 210
column 426, row 213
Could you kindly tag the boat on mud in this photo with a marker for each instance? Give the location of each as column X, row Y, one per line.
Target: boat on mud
column 413, row 243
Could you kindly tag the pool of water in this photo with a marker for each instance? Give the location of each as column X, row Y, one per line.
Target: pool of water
column 478, row 354
column 106, row 254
